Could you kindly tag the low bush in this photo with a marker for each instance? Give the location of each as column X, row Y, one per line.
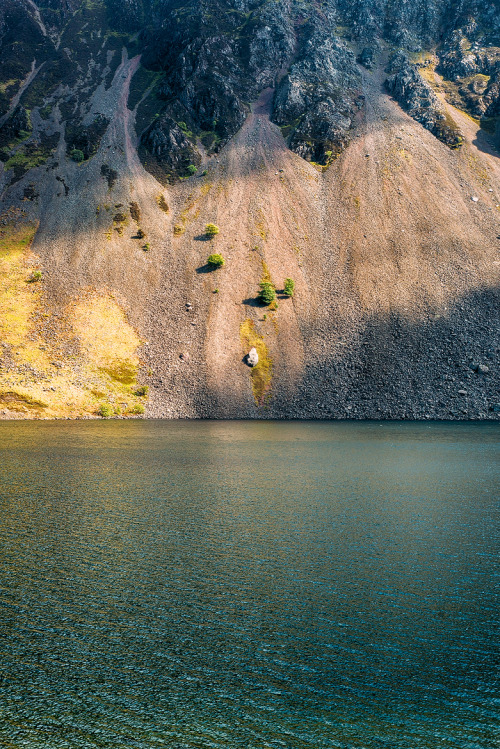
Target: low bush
column 162, row 203
column 211, row 230
column 288, row 287
column 77, row 155
column 105, row 410
column 137, row 409
column 192, row 169
column 142, row 390
column 216, row 260
column 267, row 293
column 35, row 276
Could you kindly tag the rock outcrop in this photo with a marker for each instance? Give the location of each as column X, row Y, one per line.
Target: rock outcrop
column 315, row 103
column 417, row 97
column 171, row 147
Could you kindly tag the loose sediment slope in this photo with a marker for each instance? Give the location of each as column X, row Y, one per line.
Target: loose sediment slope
column 396, row 271
column 396, row 266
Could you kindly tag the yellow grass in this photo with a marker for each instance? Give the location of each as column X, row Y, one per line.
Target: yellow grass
column 261, row 375
column 38, row 377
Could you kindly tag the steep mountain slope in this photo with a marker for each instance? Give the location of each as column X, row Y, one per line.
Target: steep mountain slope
column 118, row 148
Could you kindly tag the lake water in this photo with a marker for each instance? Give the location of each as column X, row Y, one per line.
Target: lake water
column 249, row 584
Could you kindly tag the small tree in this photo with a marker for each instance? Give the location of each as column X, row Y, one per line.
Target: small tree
column 192, row 169
column 216, row 260
column 267, row 293
column 211, row 230
column 77, row 155
column 288, row 286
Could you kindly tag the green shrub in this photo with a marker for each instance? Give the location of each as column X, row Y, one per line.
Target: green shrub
column 187, row 132
column 142, row 390
column 105, row 410
column 192, row 169
column 35, row 276
column 216, row 260
column 267, row 293
column 77, row 155
column 137, row 409
column 288, row 286
column 146, row 247
column 211, row 230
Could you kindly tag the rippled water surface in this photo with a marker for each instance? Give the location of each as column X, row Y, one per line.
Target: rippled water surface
column 255, row 585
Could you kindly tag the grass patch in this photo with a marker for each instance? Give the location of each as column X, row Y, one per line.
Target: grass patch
column 261, row 374
column 17, row 401
column 90, row 360
column 16, row 298
column 143, row 80
column 107, row 340
column 31, row 155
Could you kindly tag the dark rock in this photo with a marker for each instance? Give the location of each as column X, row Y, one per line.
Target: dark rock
column 366, row 58
column 86, row 138
column 18, row 123
column 316, row 101
column 167, row 142
column 416, row 96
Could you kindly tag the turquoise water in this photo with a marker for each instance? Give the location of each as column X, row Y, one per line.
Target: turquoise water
column 248, row 584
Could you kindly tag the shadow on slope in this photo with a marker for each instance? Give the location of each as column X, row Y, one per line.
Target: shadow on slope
column 444, row 367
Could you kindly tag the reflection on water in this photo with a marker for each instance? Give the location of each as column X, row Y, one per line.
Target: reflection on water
column 248, row 584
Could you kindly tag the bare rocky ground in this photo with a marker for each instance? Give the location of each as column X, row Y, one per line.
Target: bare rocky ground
column 396, row 268
column 395, row 313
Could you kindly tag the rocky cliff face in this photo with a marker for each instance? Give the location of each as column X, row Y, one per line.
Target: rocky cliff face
column 316, row 101
column 417, row 97
column 331, row 144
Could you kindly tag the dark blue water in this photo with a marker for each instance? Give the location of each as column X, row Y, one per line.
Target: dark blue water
column 257, row 585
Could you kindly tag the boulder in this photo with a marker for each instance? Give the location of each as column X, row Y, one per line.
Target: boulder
column 252, row 358
column 366, row 58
